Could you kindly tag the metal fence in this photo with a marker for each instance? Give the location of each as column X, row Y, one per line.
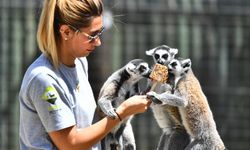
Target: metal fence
column 215, row 34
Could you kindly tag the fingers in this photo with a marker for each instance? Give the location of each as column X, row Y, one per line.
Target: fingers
column 147, row 100
column 138, row 104
column 144, row 102
column 147, row 103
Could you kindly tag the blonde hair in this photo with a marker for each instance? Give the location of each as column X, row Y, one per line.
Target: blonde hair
column 78, row 13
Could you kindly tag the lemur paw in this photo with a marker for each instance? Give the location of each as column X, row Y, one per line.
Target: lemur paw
column 111, row 113
column 153, row 97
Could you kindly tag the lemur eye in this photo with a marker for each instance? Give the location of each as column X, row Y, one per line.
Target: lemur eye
column 186, row 65
column 142, row 68
column 165, row 56
column 173, row 64
column 156, row 56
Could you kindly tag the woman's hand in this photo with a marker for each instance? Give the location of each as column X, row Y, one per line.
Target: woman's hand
column 133, row 105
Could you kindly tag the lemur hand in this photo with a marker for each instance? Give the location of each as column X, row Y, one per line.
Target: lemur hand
column 107, row 108
column 167, row 98
column 154, row 97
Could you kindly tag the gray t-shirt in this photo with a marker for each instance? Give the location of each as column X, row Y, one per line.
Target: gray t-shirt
column 52, row 100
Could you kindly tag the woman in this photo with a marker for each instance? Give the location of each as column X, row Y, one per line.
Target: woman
column 56, row 101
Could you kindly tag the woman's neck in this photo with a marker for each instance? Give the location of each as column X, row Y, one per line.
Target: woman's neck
column 64, row 56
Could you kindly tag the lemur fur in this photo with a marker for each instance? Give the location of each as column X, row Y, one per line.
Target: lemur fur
column 174, row 135
column 122, row 84
column 196, row 116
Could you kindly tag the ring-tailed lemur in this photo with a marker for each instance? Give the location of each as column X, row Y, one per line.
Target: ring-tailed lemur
column 196, row 116
column 122, row 84
column 162, row 55
column 174, row 135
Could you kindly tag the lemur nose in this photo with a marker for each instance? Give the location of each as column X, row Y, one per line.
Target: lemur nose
column 160, row 62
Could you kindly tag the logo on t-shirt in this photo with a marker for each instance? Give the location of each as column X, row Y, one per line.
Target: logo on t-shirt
column 50, row 95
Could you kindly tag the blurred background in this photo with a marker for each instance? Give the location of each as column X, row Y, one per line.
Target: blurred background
column 214, row 34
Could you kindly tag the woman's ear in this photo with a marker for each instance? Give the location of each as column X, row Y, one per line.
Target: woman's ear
column 66, row 32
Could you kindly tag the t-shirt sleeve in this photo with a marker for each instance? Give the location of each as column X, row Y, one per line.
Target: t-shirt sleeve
column 52, row 107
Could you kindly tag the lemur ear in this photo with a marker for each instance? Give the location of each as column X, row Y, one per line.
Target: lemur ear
column 186, row 64
column 150, row 52
column 173, row 51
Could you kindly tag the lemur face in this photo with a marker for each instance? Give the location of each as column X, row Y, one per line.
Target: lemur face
column 138, row 68
column 162, row 54
column 179, row 67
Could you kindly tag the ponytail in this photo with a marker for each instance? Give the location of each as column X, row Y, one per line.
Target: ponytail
column 45, row 34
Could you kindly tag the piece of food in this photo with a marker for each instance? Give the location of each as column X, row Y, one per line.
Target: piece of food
column 159, row 73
